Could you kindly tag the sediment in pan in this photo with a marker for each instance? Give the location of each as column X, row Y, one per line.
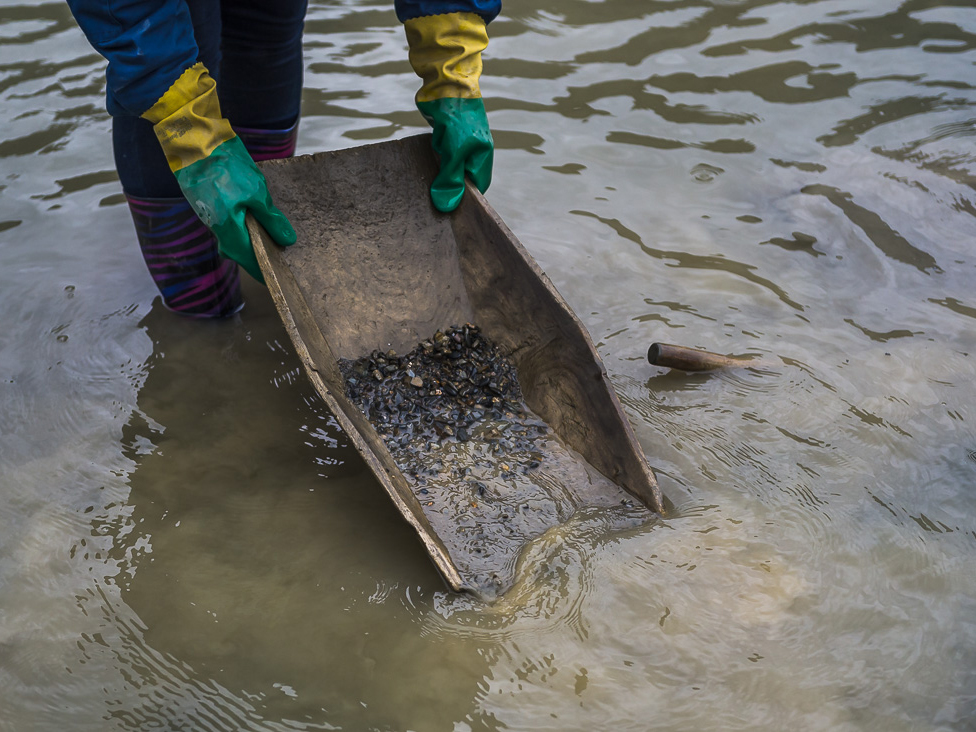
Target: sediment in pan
column 489, row 474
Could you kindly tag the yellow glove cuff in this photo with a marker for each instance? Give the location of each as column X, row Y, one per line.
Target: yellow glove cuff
column 187, row 118
column 445, row 51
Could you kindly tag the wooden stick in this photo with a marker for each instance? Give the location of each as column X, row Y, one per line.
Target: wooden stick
column 691, row 359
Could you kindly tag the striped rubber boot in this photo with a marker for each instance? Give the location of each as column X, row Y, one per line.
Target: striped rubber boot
column 183, row 260
column 268, row 144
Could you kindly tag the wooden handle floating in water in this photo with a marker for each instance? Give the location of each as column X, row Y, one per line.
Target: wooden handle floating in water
column 691, row 359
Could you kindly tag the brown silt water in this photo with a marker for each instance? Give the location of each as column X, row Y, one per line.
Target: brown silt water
column 188, row 541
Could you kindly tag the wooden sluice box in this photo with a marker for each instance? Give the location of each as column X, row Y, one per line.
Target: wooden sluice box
column 412, row 325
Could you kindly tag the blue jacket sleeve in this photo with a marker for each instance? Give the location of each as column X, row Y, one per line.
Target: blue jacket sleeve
column 410, row 9
column 148, row 44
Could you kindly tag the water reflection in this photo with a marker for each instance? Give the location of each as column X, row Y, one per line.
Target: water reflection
column 274, row 571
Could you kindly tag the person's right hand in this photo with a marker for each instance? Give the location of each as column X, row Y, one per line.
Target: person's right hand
column 214, row 170
column 463, row 141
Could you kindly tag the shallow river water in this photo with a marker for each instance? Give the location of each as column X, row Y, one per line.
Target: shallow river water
column 187, row 541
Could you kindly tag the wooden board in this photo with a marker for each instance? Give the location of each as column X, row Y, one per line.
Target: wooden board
column 377, row 267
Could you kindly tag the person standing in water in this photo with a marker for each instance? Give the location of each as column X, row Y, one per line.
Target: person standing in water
column 200, row 89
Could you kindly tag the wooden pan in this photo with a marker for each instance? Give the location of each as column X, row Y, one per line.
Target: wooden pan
column 377, row 267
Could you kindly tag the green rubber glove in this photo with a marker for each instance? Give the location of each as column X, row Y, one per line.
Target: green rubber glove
column 463, row 141
column 212, row 166
column 445, row 52
column 222, row 188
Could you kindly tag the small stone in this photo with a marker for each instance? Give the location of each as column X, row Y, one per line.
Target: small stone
column 416, row 381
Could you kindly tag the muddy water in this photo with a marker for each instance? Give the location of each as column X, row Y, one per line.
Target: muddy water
column 188, row 542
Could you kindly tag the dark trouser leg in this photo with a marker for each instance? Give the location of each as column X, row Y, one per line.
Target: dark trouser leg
column 262, row 72
column 179, row 251
column 138, row 157
column 263, row 102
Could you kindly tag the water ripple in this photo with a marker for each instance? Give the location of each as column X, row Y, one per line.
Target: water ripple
column 186, row 539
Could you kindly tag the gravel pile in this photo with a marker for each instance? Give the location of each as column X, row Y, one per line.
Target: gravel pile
column 444, row 389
